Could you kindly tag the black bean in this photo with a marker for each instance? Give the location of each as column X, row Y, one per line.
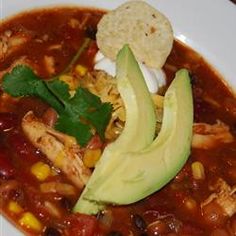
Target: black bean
column 100, row 215
column 91, row 32
column 18, row 194
column 7, row 169
column 66, row 203
column 139, row 222
column 50, row 231
column 114, row 233
column 7, row 189
column 193, row 78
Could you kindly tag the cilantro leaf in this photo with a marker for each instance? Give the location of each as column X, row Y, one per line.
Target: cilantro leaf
column 100, row 118
column 60, row 89
column 89, row 108
column 84, row 102
column 78, row 115
column 93, row 110
column 22, row 81
column 74, row 127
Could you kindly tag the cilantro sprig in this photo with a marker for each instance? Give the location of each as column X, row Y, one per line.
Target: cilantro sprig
column 78, row 114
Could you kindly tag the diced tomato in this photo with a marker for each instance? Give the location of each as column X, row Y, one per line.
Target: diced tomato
column 82, row 225
column 95, row 142
column 92, row 50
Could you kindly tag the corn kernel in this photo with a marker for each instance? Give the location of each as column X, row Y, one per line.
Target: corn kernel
column 14, row 207
column 158, row 100
column 29, row 221
column 72, row 82
column 41, row 170
column 198, row 170
column 190, row 203
column 91, row 156
column 81, row 70
column 69, row 141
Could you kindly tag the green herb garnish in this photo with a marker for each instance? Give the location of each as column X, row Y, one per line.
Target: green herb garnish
column 78, row 114
column 77, row 55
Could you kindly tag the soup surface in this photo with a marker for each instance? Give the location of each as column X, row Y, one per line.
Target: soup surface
column 38, row 198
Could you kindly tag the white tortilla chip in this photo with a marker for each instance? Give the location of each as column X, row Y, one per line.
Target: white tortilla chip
column 147, row 31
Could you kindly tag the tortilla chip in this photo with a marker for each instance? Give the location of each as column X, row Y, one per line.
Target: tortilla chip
column 147, row 31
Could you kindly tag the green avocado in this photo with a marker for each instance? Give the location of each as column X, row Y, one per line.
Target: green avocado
column 126, row 174
column 141, row 173
column 139, row 128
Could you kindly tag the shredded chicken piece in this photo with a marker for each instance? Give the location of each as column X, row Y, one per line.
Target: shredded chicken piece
column 55, row 47
column 211, row 101
column 56, row 187
column 208, row 136
column 10, row 43
column 49, row 62
column 52, row 209
column 62, row 150
column 75, row 23
column 224, row 196
column 3, row 46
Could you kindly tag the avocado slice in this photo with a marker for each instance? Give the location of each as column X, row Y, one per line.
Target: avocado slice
column 141, row 173
column 139, row 128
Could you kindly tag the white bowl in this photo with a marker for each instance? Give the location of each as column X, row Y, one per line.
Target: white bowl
column 208, row 26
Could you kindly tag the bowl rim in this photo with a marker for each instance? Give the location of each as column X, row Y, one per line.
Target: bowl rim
column 205, row 33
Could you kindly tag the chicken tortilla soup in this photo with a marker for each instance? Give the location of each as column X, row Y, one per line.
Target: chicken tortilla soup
column 110, row 126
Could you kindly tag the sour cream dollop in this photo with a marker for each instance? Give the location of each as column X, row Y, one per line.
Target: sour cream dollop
column 154, row 78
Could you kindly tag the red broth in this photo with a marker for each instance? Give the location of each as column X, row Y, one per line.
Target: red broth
column 177, row 209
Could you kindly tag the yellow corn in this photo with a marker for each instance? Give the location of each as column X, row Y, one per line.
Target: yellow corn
column 190, row 204
column 14, row 207
column 71, row 81
column 29, row 221
column 70, row 141
column 41, row 170
column 81, row 70
column 198, row 170
column 91, row 156
column 158, row 100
